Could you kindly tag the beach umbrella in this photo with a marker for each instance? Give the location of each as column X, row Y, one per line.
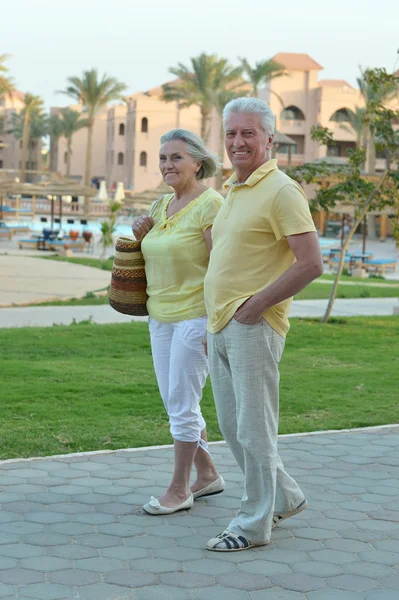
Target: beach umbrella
column 102, row 195
column 119, row 193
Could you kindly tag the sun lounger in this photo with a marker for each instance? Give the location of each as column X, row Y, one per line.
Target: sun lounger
column 380, row 264
column 5, row 233
column 66, row 243
column 29, row 243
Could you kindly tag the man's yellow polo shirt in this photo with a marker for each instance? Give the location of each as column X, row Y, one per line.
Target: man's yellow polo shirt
column 250, row 250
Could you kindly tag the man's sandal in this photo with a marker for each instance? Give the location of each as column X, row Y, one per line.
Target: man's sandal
column 231, row 542
column 279, row 517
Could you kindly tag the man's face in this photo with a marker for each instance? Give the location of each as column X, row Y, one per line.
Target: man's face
column 247, row 143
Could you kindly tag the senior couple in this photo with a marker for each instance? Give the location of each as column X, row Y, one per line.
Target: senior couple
column 221, row 275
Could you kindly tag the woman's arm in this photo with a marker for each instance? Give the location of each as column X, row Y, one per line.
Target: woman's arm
column 208, row 238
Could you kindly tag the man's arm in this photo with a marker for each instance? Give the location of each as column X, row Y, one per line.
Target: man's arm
column 308, row 266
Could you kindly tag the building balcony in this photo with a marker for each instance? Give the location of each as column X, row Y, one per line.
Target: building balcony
column 292, row 126
column 296, row 159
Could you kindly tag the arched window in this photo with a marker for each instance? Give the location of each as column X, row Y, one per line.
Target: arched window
column 143, row 159
column 120, row 158
column 341, row 116
column 122, row 129
column 292, row 113
column 144, row 125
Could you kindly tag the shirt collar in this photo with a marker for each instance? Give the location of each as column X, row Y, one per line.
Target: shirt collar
column 257, row 175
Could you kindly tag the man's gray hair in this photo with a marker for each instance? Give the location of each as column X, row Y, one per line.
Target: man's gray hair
column 254, row 106
column 196, row 149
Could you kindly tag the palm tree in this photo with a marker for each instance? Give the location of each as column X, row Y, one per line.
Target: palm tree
column 93, row 93
column 71, row 121
column 370, row 96
column 6, row 82
column 55, row 132
column 356, row 124
column 261, row 73
column 219, row 101
column 22, row 124
column 197, row 85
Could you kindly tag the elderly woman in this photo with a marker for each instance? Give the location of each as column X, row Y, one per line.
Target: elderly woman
column 176, row 242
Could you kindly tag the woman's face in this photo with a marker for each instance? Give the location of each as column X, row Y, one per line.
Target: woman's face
column 176, row 165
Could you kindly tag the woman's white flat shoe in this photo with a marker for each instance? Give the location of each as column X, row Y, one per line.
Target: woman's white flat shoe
column 155, row 508
column 216, row 487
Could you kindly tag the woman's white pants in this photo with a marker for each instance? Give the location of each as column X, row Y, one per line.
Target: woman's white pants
column 181, row 368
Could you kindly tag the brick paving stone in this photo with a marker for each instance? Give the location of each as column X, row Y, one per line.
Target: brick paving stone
column 369, row 570
column 179, row 553
column 298, row 582
column 277, row 594
column 132, row 579
column 45, row 564
column 263, row 567
column 314, row 533
column 45, row 539
column 347, row 545
column 329, row 594
column 8, row 517
column 163, row 592
column 317, row 569
column 45, row 517
column 357, row 583
column 334, row 556
column 160, row 565
column 21, row 527
column 244, row 581
column 75, row 577
column 125, row 552
column 103, row 591
column 46, row 591
column 379, row 556
column 147, row 541
column 381, row 595
column 210, row 567
column 100, row 565
column 8, row 563
column 218, row 592
column 20, row 576
column 390, row 582
column 186, row 580
column 97, row 540
column 72, row 551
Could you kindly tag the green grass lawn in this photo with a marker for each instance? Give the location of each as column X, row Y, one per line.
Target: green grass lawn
column 314, row 291
column 321, row 291
column 90, row 387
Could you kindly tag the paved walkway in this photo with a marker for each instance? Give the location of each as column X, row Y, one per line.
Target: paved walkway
column 72, row 527
column 46, row 316
column 24, row 280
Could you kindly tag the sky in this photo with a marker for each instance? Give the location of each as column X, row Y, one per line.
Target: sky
column 137, row 41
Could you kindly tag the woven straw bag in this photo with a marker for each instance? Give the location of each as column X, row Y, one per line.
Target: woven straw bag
column 128, row 290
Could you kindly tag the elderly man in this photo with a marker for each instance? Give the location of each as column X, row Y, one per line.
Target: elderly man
column 265, row 250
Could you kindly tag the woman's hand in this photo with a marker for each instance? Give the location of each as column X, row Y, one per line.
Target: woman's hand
column 141, row 226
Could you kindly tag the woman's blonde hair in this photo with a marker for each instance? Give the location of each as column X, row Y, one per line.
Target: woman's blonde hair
column 196, row 149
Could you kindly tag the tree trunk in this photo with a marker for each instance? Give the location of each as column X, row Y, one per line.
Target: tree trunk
column 89, row 152
column 219, row 176
column 25, row 147
column 69, row 156
column 53, row 166
column 204, row 124
column 371, row 154
column 363, row 213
